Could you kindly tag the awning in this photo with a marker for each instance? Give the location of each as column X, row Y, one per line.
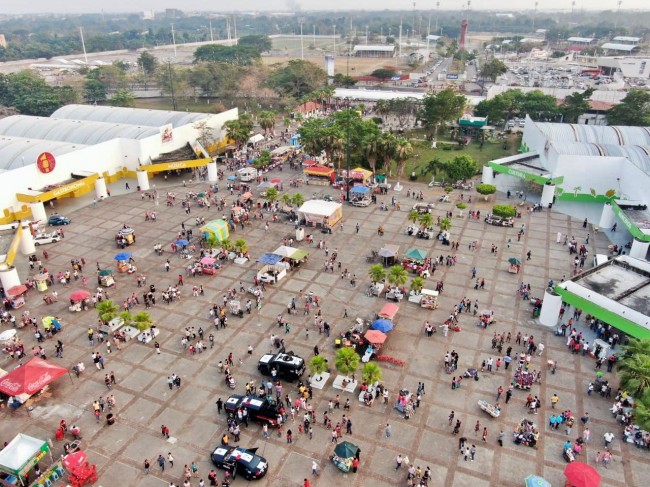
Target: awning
column 416, row 254
column 300, row 254
column 20, row 455
column 388, row 311
column 207, row 261
column 383, row 325
column 285, row 251
column 359, row 190
column 389, row 251
column 269, row 259
column 318, row 170
column 31, row 377
column 375, row 337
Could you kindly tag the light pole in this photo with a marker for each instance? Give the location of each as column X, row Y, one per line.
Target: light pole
column 535, row 15
column 437, row 15
column 302, row 43
column 347, row 154
column 171, row 83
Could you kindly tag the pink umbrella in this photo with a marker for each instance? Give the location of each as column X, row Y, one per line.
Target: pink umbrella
column 75, row 460
column 276, row 181
column 79, row 295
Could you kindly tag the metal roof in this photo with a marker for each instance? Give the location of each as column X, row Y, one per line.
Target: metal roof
column 375, row 48
column 638, row 155
column 74, row 131
column 596, row 134
column 619, row 47
column 130, row 116
column 580, row 39
column 626, row 39
column 17, row 152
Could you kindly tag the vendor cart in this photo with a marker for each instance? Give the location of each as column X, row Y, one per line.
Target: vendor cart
column 234, row 307
column 16, row 296
column 344, row 454
column 491, row 409
column 429, row 299
column 209, row 266
column 105, row 278
column 125, row 237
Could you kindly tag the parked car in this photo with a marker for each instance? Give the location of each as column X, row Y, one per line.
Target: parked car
column 497, row 221
column 287, row 365
column 242, row 461
column 57, row 220
column 263, row 410
column 46, row 238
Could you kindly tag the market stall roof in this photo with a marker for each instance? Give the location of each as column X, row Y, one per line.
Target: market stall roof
column 255, row 139
column 269, row 259
column 31, row 377
column 375, row 337
column 383, row 325
column 319, row 207
column 285, row 251
column 19, row 452
column 318, row 170
column 300, row 254
column 309, row 163
column 388, row 311
column 218, row 228
column 359, row 189
column 389, row 251
column 416, row 254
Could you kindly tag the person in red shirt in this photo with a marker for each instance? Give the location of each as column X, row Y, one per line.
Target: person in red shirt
column 307, row 483
column 355, row 465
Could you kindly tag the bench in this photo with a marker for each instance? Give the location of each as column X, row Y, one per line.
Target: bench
column 350, row 385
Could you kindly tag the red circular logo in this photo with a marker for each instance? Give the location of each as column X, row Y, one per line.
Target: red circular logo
column 45, row 162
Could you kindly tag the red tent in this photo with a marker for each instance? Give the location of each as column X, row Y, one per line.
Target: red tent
column 31, row 377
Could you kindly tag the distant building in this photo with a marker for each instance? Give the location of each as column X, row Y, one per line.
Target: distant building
column 629, row 67
column 148, row 15
column 615, row 47
column 174, row 13
column 374, row 51
column 3, row 41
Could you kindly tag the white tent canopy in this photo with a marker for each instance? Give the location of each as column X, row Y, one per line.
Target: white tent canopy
column 19, row 451
column 285, row 251
column 256, row 138
column 320, row 211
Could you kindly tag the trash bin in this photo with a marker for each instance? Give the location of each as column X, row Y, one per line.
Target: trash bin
column 300, row 234
column 110, row 419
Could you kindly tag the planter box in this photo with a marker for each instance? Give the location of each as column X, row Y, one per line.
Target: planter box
column 319, row 381
column 350, row 386
column 130, row 332
column 148, row 335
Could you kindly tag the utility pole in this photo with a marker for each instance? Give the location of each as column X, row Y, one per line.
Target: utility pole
column 437, row 15
column 414, row 21
column 234, row 20
column 302, row 43
column 535, row 15
column 618, row 13
column 211, row 37
column 83, row 44
column 334, row 36
column 399, row 47
column 174, row 40
column 171, row 83
column 428, row 34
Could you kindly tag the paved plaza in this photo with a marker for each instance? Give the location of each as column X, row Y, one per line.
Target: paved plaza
column 144, row 402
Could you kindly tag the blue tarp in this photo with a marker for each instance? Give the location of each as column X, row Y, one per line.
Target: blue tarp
column 359, row 189
column 382, row 325
column 269, row 259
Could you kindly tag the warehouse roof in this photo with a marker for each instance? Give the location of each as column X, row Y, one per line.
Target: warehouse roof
column 614, row 46
column 74, row 131
column 596, row 134
column 17, row 151
column 374, row 48
column 130, row 116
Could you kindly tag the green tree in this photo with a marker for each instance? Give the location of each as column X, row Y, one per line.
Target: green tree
column 413, row 216
column 241, row 55
column 403, row 151
column 493, row 69
column 297, row 78
column 417, row 283
column 635, row 374
column 212, row 79
column 272, row 195
column 266, row 119
column 142, row 320
column 504, row 211
column 371, row 143
column 377, row 273
column 122, row 98
column 441, row 108
column 371, row 373
column 383, row 73
column 261, row 43
column 318, row 365
column 634, row 110
column 263, row 160
column 298, row 200
column 106, row 310
column 148, row 63
column 486, row 190
column 445, row 224
column 461, row 167
column 387, row 146
column 426, row 220
column 94, row 91
column 344, row 81
column 241, row 245
column 346, row 361
column 575, row 104
column 397, row 276
column 239, row 131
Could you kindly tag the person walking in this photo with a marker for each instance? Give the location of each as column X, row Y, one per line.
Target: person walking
column 500, row 438
column 485, row 434
column 161, row 462
column 398, row 462
column 554, row 400
column 387, row 430
column 146, row 466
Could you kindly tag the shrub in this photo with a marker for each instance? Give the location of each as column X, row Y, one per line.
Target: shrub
column 504, row 211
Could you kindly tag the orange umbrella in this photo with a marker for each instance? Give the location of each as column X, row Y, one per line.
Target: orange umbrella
column 375, row 337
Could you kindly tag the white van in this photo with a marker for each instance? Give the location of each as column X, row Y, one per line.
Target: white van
column 247, row 174
column 600, row 259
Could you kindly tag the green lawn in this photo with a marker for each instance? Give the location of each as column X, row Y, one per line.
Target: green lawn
column 423, row 153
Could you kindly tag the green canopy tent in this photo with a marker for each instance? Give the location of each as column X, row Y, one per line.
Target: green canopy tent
column 217, row 229
column 21, row 455
column 416, row 254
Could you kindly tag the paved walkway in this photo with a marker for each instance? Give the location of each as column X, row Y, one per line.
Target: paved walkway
column 145, row 403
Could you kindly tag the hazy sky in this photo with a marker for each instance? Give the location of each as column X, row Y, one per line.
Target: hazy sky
column 76, row 6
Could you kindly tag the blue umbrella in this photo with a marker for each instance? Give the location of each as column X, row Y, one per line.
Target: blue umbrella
column 535, row 481
column 382, row 325
column 232, row 178
column 181, row 242
column 123, row 256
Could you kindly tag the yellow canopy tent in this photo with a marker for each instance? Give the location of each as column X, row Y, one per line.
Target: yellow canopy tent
column 217, row 229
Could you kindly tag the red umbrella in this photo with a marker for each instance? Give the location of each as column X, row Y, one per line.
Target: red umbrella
column 30, row 377
column 582, row 475
column 79, row 295
column 276, row 180
column 17, row 290
column 375, row 337
column 75, row 460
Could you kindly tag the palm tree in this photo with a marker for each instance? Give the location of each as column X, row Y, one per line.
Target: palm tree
column 377, row 273
column 286, row 199
column 444, row 225
column 298, row 199
column 318, row 365
column 382, row 107
column 414, row 216
column 238, row 131
column 266, row 119
column 426, row 220
column 346, row 361
column 225, row 244
column 371, row 373
column 142, row 320
column 107, row 310
column 371, row 145
column 127, row 317
column 636, row 347
column 397, row 276
column 272, row 195
column 387, row 145
column 241, row 245
column 635, row 374
column 417, row 284
column 403, row 151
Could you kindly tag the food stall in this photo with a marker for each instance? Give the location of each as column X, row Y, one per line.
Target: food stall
column 319, row 212
column 388, row 311
column 273, row 269
column 514, row 265
column 208, row 266
column 388, row 254
column 41, row 281
column 125, row 237
column 319, row 175
column 215, row 230
column 30, row 379
column 360, row 195
column 79, row 300
column 20, row 456
column 358, row 175
column 429, row 299
column 16, row 296
column 105, row 278
column 375, row 339
column 414, row 260
column 526, row 433
column 122, row 260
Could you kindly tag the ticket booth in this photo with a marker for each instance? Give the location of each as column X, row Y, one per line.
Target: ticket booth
column 41, row 281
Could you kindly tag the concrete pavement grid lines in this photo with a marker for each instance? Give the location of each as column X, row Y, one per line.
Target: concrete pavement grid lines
column 144, row 401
